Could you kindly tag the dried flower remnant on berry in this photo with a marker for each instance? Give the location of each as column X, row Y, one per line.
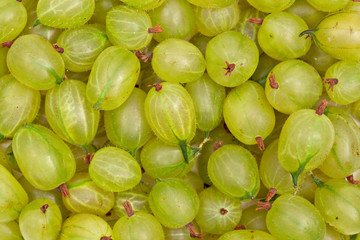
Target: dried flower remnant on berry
column 255, row 20
column 155, row 29
column 272, row 81
column 7, row 44
column 143, row 56
column 44, row 207
column 158, row 86
column 229, row 68
column 240, row 227
column 58, row 49
column 87, row 159
column 193, row 232
column 351, row 180
column 128, row 208
column 260, row 143
column 332, row 82
column 64, row 190
column 267, row 205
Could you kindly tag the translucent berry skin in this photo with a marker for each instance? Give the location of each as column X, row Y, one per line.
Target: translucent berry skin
column 43, row 158
column 130, row 113
column 13, row 17
column 162, row 160
column 278, row 36
column 248, row 114
column 247, row 28
column 318, row 59
column 70, row 115
column 299, row 86
column 305, row 141
column 34, row 62
column 211, row 3
column 112, row 78
column 208, row 98
column 181, row 233
column 336, row 35
column 35, row 224
column 218, row 137
column 65, row 13
column 171, row 113
column 114, row 169
column 337, row 200
column 347, row 89
column 174, row 202
column 177, row 60
column 213, row 21
column 266, row 64
column 3, row 66
column 344, row 158
column 144, row 4
column 328, row 6
column 13, row 196
column 272, row 174
column 218, row 212
column 309, row 14
column 87, row 197
column 246, row 235
column 51, row 34
column 169, row 20
column 235, row 48
column 142, row 225
column 304, row 222
column 254, row 219
column 19, row 104
column 53, row 195
column 102, row 7
column 137, row 199
column 82, row 45
column 270, row 6
column 10, row 231
column 233, row 160
column 85, row 226
column 128, row 27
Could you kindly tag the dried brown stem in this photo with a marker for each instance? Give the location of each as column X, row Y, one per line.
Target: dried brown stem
column 44, row 207
column 270, row 194
column 321, row 108
column 223, row 211
column 255, row 20
column 7, row 44
column 64, row 191
column 128, row 208
column 260, row 143
column 351, row 179
column 229, row 68
column 332, row 82
column 58, row 49
column 272, row 81
column 143, row 56
column 193, row 232
column 217, row 145
column 87, row 159
column 240, row 227
column 158, row 86
column 155, row 29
